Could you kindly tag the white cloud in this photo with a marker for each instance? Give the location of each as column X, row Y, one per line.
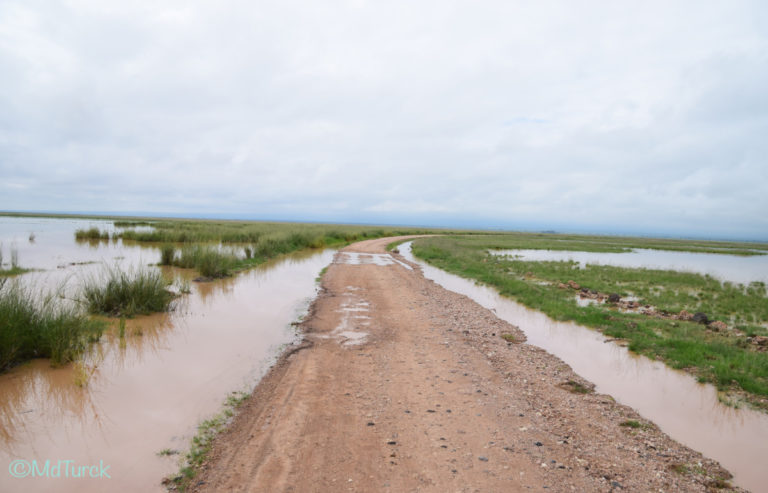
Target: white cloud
column 604, row 114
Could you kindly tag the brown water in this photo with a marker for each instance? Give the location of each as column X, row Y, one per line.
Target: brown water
column 686, row 410
column 148, row 391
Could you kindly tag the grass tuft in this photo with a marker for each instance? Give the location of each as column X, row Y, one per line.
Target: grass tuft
column 509, row 338
column 41, row 326
column 575, row 387
column 167, row 254
column 208, row 260
column 118, row 293
column 92, row 233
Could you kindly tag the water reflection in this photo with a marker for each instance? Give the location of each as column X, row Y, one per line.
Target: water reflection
column 147, row 390
column 35, row 389
column 684, row 409
column 733, row 268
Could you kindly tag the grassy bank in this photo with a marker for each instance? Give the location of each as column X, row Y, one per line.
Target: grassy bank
column 118, row 293
column 36, row 325
column 201, row 443
column 608, row 244
column 220, row 248
column 266, row 237
column 726, row 358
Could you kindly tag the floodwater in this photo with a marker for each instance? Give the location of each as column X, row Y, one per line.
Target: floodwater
column 733, row 268
column 355, row 258
column 686, row 410
column 148, row 391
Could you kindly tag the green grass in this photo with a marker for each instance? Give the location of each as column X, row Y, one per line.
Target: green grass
column 509, row 338
column 725, row 359
column 119, row 293
column 201, row 443
column 167, row 254
column 92, row 233
column 265, row 237
column 607, row 244
column 41, row 326
column 132, row 224
column 12, row 269
column 208, row 260
column 195, row 243
column 632, row 423
column 393, row 246
column 576, row 388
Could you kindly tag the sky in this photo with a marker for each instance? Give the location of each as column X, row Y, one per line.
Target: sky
column 612, row 116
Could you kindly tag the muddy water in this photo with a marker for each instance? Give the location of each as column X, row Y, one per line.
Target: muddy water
column 687, row 411
column 733, row 268
column 148, row 391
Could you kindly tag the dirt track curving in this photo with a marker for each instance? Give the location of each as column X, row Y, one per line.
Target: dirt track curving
column 404, row 386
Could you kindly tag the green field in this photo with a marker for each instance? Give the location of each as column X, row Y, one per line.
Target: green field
column 729, row 358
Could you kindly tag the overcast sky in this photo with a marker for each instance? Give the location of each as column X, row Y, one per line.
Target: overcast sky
column 647, row 117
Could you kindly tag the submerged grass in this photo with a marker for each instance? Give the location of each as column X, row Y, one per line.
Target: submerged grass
column 41, row 326
column 725, row 358
column 119, row 293
column 12, row 269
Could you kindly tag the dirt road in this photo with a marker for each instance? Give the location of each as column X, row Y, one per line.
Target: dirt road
column 403, row 386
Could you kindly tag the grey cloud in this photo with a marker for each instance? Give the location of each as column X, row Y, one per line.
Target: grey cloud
column 508, row 114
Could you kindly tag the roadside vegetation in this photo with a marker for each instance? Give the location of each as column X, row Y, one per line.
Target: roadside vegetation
column 40, row 325
column 731, row 354
column 202, row 442
column 119, row 293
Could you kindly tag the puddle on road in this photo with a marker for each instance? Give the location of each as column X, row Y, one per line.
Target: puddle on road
column 353, row 311
column 355, row 258
column 148, row 391
column 687, row 411
column 733, row 268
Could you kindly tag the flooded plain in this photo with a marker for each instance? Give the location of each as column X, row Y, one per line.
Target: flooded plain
column 733, row 268
column 686, row 410
column 148, row 391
